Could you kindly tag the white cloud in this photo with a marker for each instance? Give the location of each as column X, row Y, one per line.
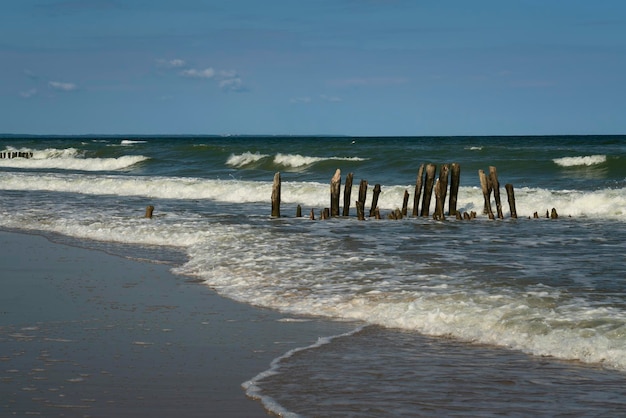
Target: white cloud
column 232, row 84
column 173, row 63
column 332, row 99
column 58, row 85
column 193, row 73
column 28, row 93
column 301, row 100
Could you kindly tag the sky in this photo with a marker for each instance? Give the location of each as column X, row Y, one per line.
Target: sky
column 313, row 67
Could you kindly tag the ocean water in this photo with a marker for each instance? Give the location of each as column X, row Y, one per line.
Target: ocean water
column 521, row 317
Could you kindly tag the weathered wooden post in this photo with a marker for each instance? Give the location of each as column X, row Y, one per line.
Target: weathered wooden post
column 149, row 210
column 440, row 191
column 299, row 211
column 325, row 213
column 347, row 191
column 312, row 215
column 276, row 196
column 335, row 189
column 360, row 210
column 553, row 214
column 428, row 188
column 376, row 213
column 484, row 184
column 510, row 193
column 495, row 185
column 405, row 203
column 455, row 178
column 362, row 197
column 374, row 199
column 418, row 190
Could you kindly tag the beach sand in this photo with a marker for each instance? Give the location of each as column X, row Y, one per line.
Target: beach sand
column 86, row 333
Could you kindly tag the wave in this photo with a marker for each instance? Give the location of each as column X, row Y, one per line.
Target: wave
column 68, row 159
column 245, row 159
column 605, row 203
column 588, row 160
column 252, row 386
column 283, row 161
column 131, row 142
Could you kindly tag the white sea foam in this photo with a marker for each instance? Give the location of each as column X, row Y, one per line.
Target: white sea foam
column 131, row 142
column 298, row 161
column 610, row 203
column 588, row 160
column 68, row 159
column 254, row 391
column 242, row 160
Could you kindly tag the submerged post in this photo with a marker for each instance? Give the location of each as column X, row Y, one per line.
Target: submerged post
column 149, row 210
column 440, row 191
column 405, row 203
column 347, row 191
column 335, row 189
column 484, row 184
column 510, row 193
column 418, row 190
column 276, row 196
column 455, row 178
column 374, row 199
column 495, row 185
column 428, row 188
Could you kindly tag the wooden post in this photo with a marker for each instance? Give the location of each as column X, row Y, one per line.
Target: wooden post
column 418, row 190
column 440, row 191
column 312, row 215
column 405, row 203
column 428, row 188
column 484, row 184
column 360, row 210
column 495, row 185
column 335, row 189
column 553, row 214
column 149, row 210
column 374, row 199
column 455, row 178
column 325, row 213
column 299, row 211
column 347, row 191
column 376, row 213
column 510, row 193
column 362, row 194
column 276, row 196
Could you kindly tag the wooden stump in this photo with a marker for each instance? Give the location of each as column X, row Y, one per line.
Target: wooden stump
column 374, row 199
column 312, row 215
column 362, row 195
column 553, row 214
column 149, row 210
column 484, row 184
column 405, row 203
column 428, row 188
column 276, row 196
column 510, row 193
column 418, row 190
column 455, row 178
column 495, row 185
column 440, row 191
column 347, row 191
column 335, row 189
column 299, row 211
column 360, row 210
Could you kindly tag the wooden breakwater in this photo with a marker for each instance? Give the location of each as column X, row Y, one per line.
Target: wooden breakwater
column 15, row 154
column 426, row 185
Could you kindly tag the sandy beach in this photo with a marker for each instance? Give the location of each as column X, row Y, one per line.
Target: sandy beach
column 86, row 333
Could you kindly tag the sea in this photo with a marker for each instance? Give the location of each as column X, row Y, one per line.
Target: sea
column 509, row 316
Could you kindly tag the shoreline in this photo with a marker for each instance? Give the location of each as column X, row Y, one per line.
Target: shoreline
column 87, row 333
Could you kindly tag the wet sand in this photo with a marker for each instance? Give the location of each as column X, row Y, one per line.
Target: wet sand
column 85, row 333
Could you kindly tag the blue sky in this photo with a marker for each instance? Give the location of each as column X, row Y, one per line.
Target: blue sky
column 296, row 67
